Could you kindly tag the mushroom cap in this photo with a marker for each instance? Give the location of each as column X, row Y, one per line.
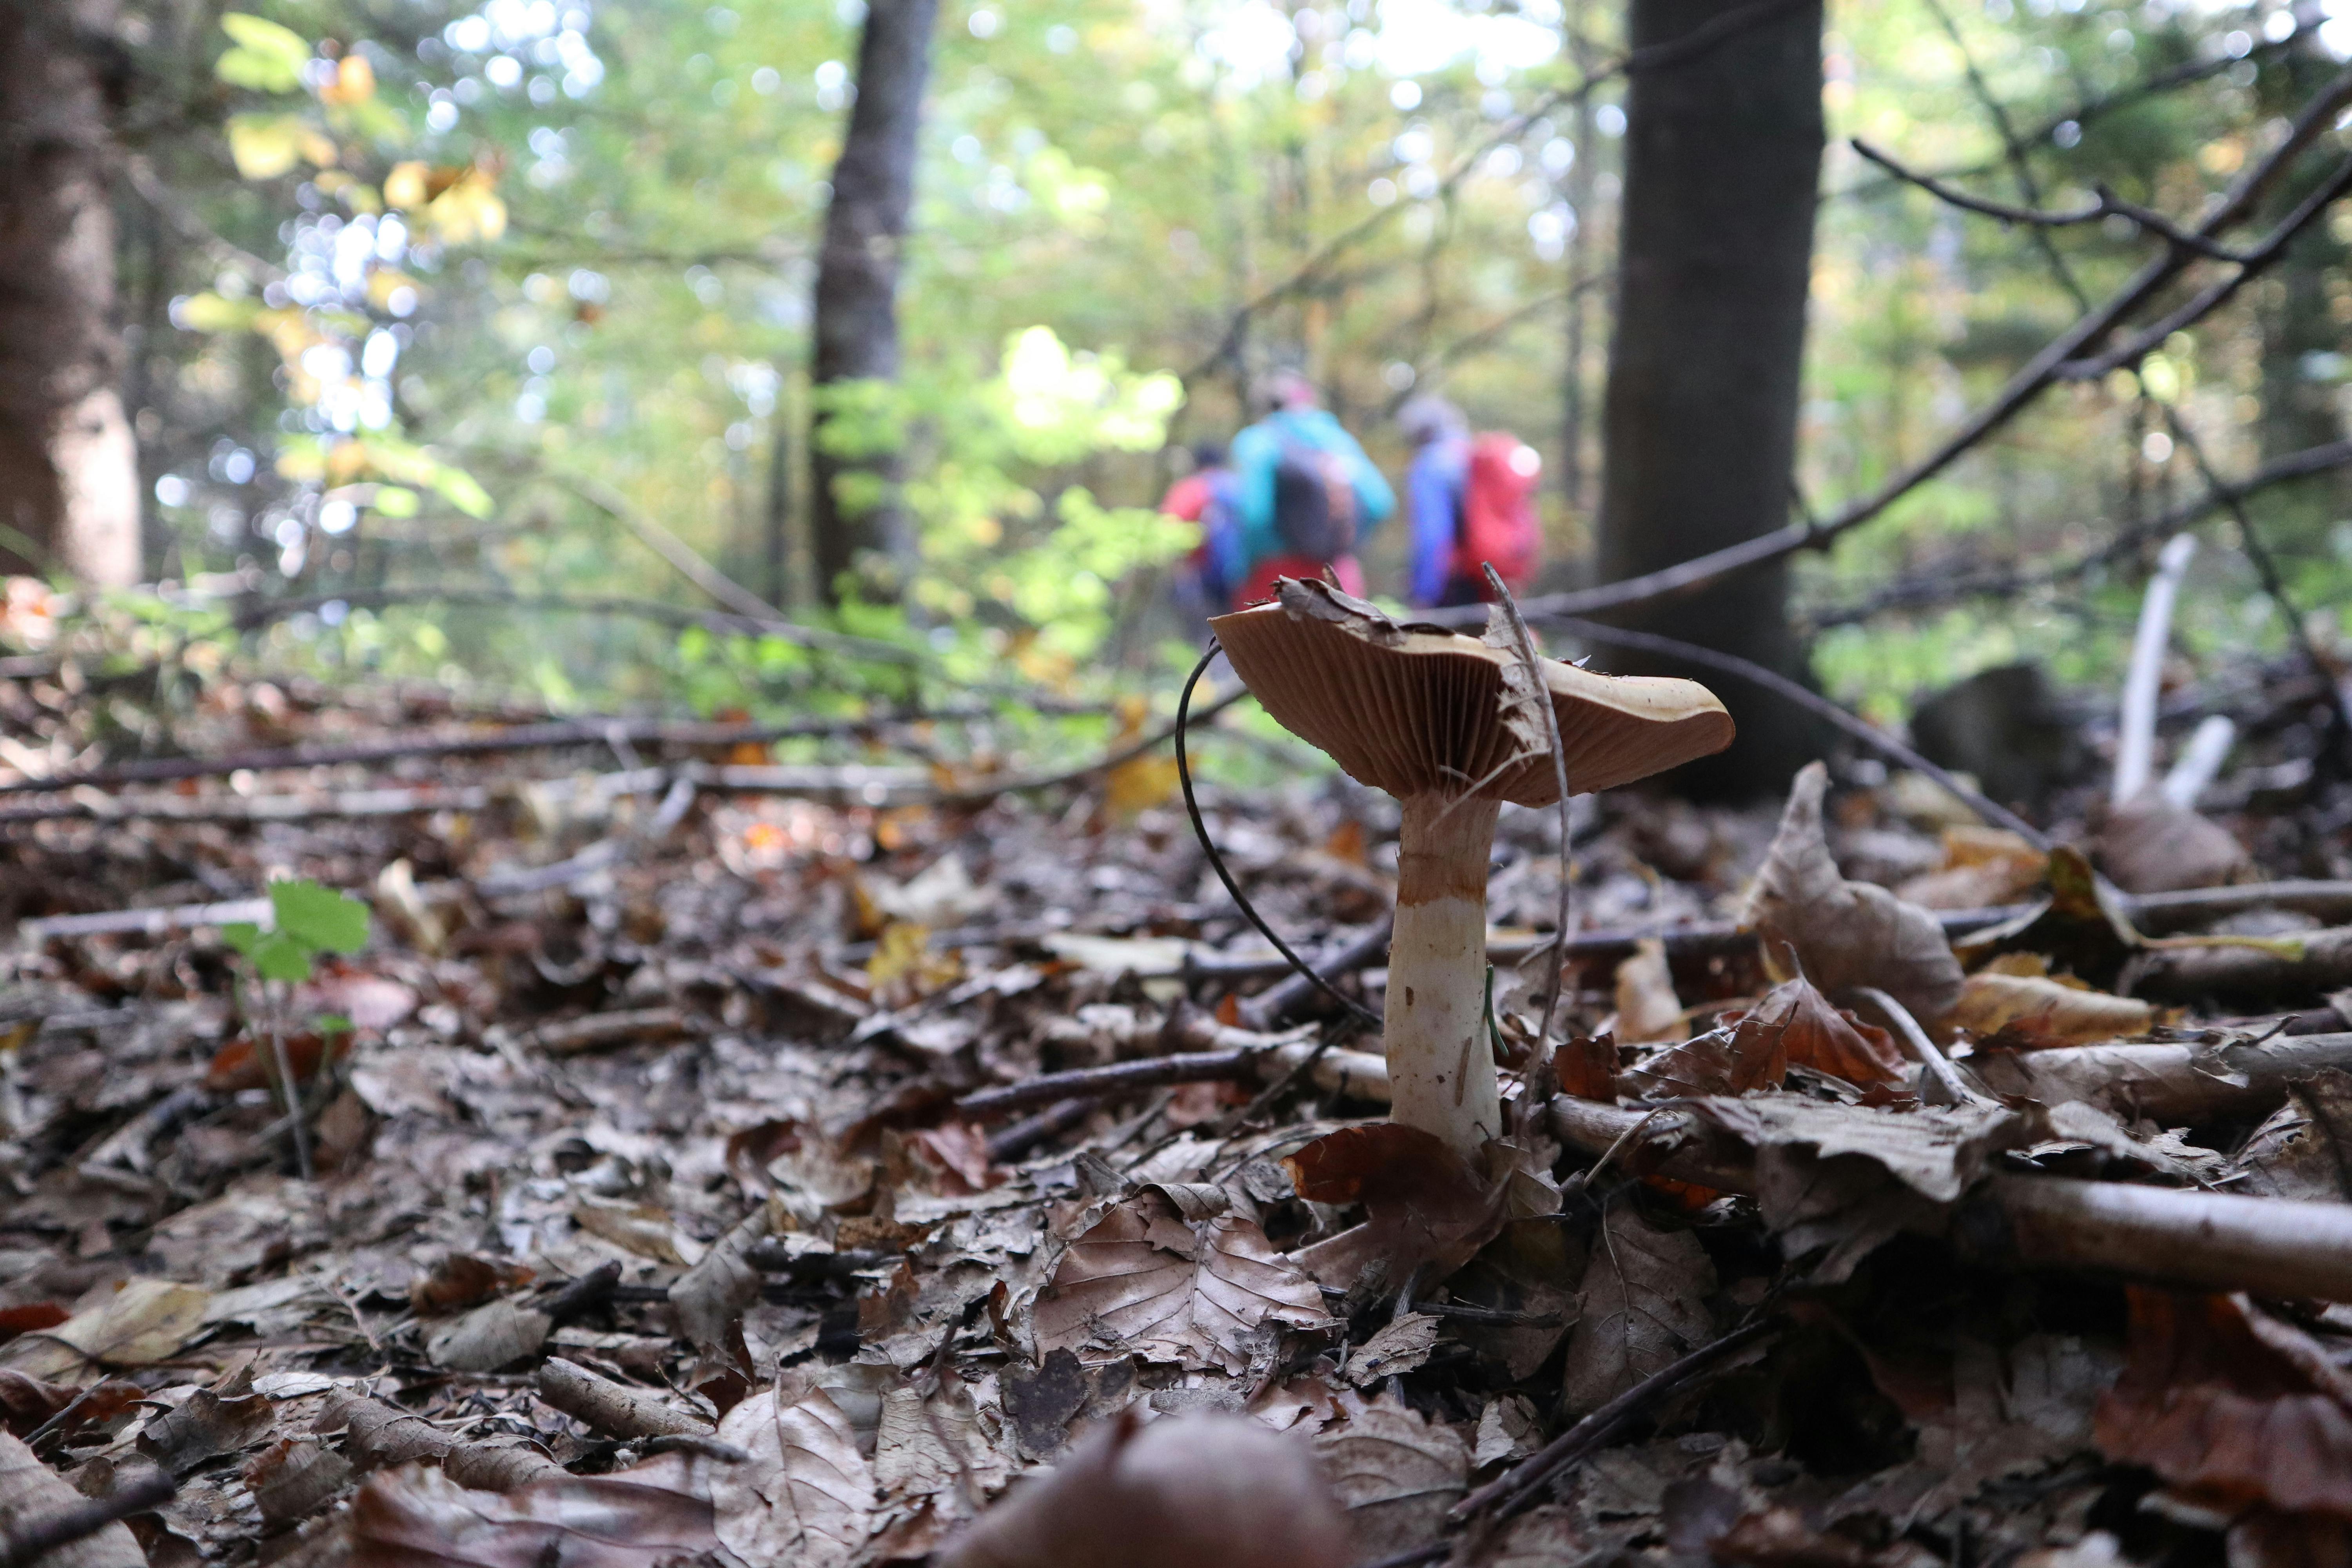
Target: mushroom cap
column 1411, row 709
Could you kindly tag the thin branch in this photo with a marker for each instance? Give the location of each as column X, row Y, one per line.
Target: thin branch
column 1954, row 580
column 1780, row 684
column 690, row 562
column 2107, row 204
column 1697, row 42
column 23, row 1541
column 2029, row 381
column 1539, row 692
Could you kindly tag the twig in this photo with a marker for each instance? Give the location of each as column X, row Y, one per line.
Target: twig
column 1524, row 1479
column 1923, row 1049
column 1217, row 861
column 1016, row 1139
column 1781, row 686
column 2107, row 205
column 1277, row 1001
column 689, row 560
column 24, row 1542
column 2037, row 376
column 1538, row 1087
column 1953, row 580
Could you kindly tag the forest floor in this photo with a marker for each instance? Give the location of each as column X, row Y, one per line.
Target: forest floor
column 652, row 1216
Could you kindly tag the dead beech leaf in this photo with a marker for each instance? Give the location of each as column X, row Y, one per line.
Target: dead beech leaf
column 1192, row 1491
column 211, row 1422
column 460, row 1280
column 2301, row 1151
column 30, row 1489
column 807, row 1495
column 1647, row 1007
column 2229, row 1406
column 1842, row 934
column 2150, row 845
column 1396, row 1474
column 711, row 1298
column 294, row 1478
column 1170, row 1286
column 1642, row 1305
column 1793, row 1026
column 145, row 1322
column 27, row 1402
column 1397, row 1346
column 1586, row 1067
column 414, row 1517
column 1983, row 866
column 644, row 1229
column 2036, row 1012
column 1423, row 1204
column 488, row 1337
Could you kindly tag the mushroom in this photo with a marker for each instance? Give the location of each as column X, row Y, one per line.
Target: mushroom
column 1446, row 723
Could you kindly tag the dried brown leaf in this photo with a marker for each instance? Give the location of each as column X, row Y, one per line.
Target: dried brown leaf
column 711, row 1298
column 1396, row 1474
column 2036, row 1012
column 2305, row 1150
column 2151, row 846
column 419, row 1517
column 209, row 1423
column 1647, row 1007
column 1423, row 1204
column 1397, row 1346
column 2231, row 1407
column 146, row 1321
column 488, row 1337
column 1642, row 1305
column 460, row 1280
column 30, row 1489
column 1160, row 1284
column 806, row 1496
column 1842, row 934
column 27, row 1402
column 294, row 1478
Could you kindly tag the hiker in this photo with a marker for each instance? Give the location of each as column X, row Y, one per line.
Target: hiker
column 1204, row 585
column 1472, row 500
column 1305, row 493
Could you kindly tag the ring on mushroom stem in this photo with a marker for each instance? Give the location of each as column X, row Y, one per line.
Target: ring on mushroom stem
column 1447, row 724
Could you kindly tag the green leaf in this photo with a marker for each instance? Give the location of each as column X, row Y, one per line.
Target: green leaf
column 393, row 500
column 332, row 1023
column 264, row 146
column 320, row 918
column 243, row 936
column 267, row 58
column 281, row 957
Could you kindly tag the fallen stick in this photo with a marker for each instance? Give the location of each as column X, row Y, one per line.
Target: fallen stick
column 2271, row 1247
column 90, row 804
column 1202, row 1051
column 2247, row 973
column 2175, row 1084
column 146, row 923
column 25, row 1540
column 602, row 1031
column 613, row 1409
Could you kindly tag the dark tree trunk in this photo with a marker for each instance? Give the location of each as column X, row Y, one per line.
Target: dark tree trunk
column 857, row 292
column 69, row 469
column 1714, row 257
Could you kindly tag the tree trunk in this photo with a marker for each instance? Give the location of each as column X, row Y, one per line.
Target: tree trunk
column 69, row 469
column 1714, row 257
column 856, row 296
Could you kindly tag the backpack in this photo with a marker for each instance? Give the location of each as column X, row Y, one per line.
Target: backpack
column 1499, row 511
column 1314, row 502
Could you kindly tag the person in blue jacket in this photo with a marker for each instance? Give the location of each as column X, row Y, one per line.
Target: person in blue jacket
column 1435, row 488
column 1298, row 426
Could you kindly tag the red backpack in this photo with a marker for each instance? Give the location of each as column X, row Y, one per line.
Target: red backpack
column 1499, row 511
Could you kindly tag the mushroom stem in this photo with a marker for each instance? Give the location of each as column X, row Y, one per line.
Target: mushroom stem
column 1441, row 1072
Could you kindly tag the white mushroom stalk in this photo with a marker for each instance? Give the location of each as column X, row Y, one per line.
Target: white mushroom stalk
column 1430, row 716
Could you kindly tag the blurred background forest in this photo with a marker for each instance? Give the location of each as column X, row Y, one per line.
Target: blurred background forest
column 477, row 344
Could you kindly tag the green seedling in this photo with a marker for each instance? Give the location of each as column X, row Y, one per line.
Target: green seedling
column 306, row 921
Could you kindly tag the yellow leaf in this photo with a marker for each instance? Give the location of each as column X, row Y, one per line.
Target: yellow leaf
column 354, row 82
column 2039, row 1011
column 904, row 969
column 469, row 210
column 404, row 186
column 264, row 146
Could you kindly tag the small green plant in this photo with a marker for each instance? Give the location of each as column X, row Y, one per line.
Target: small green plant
column 307, row 920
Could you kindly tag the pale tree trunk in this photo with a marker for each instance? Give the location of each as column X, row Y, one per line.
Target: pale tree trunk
column 856, row 321
column 69, row 468
column 1715, row 254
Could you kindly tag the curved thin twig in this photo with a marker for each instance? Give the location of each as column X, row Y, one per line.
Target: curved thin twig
column 1217, row 861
